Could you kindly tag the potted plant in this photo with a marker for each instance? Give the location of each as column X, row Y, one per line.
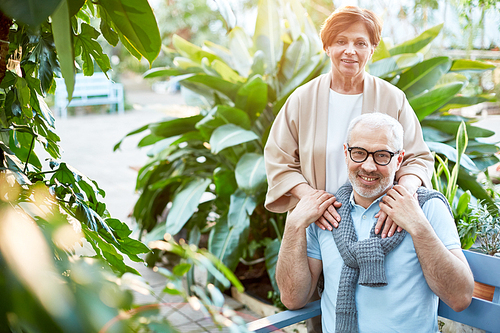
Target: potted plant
column 481, row 229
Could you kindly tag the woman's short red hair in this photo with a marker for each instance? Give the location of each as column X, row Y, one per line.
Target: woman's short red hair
column 343, row 17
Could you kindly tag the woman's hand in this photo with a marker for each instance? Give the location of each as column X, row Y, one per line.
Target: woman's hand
column 329, row 219
column 411, row 183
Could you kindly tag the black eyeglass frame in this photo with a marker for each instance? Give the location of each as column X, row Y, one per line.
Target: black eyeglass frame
column 368, row 153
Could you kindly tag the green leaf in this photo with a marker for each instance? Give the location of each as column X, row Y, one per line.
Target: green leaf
column 252, row 97
column 191, row 51
column 181, row 269
column 24, row 96
column 305, row 74
column 271, row 254
column 416, row 44
column 430, row 101
column 227, row 243
column 463, row 101
column 463, row 203
column 469, row 182
column 88, row 48
column 470, row 65
column 432, row 134
column 296, row 56
column 390, row 65
column 228, row 136
column 225, row 183
column 169, row 128
column 423, row 75
column 267, row 35
column 107, row 32
column 62, row 31
column 227, row 13
column 239, row 44
column 136, row 21
column 165, row 71
column 450, row 126
column 250, row 173
column 29, row 12
column 216, row 83
column 241, row 207
column 451, row 154
column 221, row 115
column 381, row 52
column 63, row 175
column 185, row 204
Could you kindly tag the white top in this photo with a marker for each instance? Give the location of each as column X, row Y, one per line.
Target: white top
column 341, row 110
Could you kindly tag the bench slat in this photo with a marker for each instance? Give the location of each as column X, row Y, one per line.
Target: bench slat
column 483, row 267
column 480, row 314
column 285, row 318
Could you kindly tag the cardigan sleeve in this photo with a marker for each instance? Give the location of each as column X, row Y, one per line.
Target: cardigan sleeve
column 281, row 155
column 418, row 159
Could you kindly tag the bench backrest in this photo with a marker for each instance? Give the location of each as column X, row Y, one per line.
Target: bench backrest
column 86, row 86
column 481, row 314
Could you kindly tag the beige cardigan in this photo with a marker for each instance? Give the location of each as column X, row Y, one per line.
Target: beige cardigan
column 296, row 149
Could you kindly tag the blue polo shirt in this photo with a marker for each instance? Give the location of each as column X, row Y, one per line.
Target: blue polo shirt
column 406, row 304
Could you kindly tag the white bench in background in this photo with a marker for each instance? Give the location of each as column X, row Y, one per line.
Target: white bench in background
column 89, row 90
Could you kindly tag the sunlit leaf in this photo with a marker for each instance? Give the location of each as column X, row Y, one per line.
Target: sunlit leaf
column 250, row 173
column 185, row 204
column 230, row 135
column 137, row 23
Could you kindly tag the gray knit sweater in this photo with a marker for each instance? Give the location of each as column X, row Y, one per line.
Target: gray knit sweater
column 363, row 260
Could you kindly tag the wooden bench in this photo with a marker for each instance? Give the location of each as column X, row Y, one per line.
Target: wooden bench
column 481, row 313
column 89, row 90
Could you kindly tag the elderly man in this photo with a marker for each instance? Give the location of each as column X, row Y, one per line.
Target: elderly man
column 375, row 284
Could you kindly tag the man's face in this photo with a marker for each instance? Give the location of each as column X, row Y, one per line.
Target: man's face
column 370, row 180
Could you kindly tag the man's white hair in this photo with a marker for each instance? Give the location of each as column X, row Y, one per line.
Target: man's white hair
column 379, row 121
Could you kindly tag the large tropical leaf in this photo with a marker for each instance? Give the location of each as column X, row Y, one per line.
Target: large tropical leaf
column 469, row 182
column 470, row 65
column 252, row 97
column 250, row 173
column 169, row 128
column 185, row 204
column 30, row 12
column 267, row 35
column 61, row 29
column 136, row 21
column 381, row 52
column 390, row 65
column 221, row 115
column 228, row 136
column 463, row 101
column 214, row 83
column 241, row 207
column 450, row 126
column 306, row 73
column 239, row 44
column 296, row 56
column 227, row 13
column 227, row 243
column 451, row 154
column 423, row 75
column 416, row 44
column 430, row 101
column 191, row 51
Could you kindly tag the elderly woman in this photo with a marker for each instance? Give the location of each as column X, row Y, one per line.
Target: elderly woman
column 304, row 151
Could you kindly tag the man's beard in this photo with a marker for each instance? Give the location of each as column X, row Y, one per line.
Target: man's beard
column 370, row 191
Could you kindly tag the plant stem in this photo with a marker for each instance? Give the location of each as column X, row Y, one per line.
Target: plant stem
column 29, row 154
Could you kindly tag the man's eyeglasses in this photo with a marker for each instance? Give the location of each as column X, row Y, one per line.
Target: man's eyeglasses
column 380, row 157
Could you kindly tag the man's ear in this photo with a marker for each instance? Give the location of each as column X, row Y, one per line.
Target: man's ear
column 346, row 153
column 401, row 157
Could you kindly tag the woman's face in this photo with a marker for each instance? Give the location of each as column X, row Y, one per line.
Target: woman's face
column 350, row 51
